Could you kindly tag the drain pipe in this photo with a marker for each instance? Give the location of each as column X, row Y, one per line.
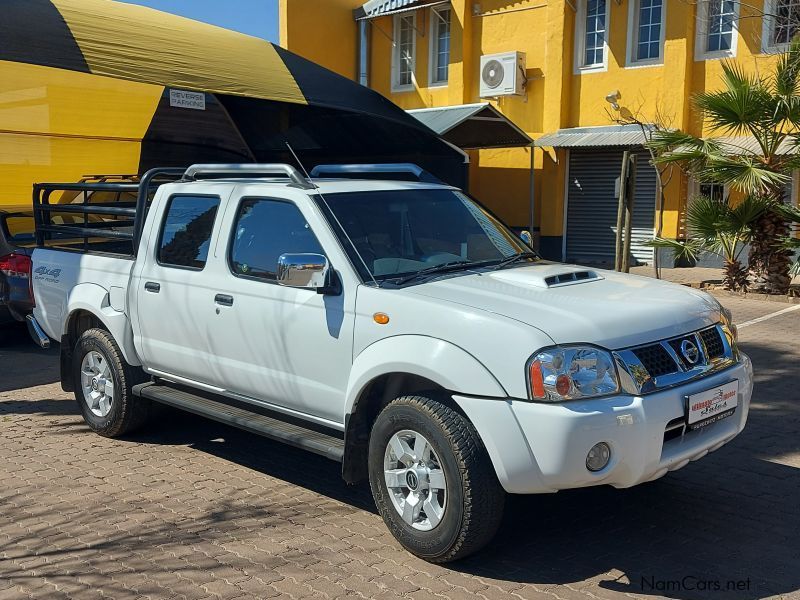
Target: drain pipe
column 363, row 52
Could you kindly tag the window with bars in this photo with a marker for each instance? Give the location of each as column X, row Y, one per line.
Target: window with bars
column 648, row 25
column 405, row 44
column 594, row 37
column 783, row 19
column 440, row 45
column 720, row 20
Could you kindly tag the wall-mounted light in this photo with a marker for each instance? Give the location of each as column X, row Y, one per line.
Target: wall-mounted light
column 612, row 98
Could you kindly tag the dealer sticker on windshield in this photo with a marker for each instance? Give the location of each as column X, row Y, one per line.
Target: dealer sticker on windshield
column 712, row 405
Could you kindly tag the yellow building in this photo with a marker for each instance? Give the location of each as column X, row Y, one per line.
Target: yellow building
column 578, row 57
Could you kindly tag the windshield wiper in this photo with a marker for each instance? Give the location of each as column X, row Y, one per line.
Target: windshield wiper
column 514, row 258
column 440, row 268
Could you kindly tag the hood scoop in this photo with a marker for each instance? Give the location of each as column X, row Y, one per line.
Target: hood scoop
column 547, row 276
column 569, row 278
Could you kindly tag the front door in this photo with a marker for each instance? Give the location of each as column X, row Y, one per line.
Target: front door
column 284, row 346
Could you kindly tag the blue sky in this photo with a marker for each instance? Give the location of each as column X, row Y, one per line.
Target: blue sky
column 254, row 17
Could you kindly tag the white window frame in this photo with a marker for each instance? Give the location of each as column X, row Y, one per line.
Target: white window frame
column 580, row 39
column 433, row 54
column 633, row 36
column 701, row 34
column 768, row 25
column 396, row 85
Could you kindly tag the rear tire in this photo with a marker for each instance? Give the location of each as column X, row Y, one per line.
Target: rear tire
column 444, row 502
column 103, row 385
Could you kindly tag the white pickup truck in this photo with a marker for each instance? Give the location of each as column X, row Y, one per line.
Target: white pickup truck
column 393, row 325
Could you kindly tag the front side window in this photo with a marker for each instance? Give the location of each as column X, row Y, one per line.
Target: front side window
column 440, row 45
column 648, row 24
column 397, row 233
column 264, row 229
column 186, row 231
column 594, row 36
column 404, row 60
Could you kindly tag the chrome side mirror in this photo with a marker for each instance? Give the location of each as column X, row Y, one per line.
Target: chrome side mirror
column 307, row 271
column 526, row 237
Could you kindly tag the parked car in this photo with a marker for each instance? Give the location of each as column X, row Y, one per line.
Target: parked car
column 397, row 327
column 16, row 237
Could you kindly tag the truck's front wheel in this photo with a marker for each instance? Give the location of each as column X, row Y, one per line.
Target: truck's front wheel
column 103, row 385
column 432, row 480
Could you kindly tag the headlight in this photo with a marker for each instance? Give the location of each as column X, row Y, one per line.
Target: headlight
column 571, row 372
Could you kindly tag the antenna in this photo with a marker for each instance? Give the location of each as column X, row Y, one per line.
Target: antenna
column 333, row 214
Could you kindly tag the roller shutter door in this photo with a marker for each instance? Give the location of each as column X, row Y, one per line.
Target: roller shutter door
column 592, row 206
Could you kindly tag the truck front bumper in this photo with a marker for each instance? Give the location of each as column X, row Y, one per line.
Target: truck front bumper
column 541, row 448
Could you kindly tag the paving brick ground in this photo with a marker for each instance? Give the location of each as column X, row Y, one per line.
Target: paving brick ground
column 192, row 509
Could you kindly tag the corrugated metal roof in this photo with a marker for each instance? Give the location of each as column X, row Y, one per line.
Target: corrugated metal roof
column 747, row 144
column 473, row 126
column 593, row 137
column 379, row 8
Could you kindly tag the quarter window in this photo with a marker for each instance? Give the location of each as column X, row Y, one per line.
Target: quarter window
column 265, row 229
column 405, row 49
column 648, row 24
column 186, row 231
column 440, row 45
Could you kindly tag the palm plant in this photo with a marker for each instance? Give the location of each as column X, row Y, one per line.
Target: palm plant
column 767, row 111
column 722, row 229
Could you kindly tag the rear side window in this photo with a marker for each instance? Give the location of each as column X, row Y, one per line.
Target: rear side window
column 265, row 229
column 186, row 231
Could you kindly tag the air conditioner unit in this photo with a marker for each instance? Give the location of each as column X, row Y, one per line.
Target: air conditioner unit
column 503, row 74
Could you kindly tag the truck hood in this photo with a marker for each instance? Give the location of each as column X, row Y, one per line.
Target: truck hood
column 572, row 304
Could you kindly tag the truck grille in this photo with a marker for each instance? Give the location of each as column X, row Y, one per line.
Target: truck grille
column 674, row 361
column 656, row 360
column 713, row 341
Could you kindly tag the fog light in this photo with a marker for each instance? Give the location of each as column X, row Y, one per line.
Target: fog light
column 598, row 457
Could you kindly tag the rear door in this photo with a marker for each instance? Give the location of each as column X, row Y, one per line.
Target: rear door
column 174, row 288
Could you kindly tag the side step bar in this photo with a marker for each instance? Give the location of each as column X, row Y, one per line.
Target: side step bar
column 275, row 429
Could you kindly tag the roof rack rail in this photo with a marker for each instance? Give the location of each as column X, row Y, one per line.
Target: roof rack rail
column 244, row 169
column 371, row 169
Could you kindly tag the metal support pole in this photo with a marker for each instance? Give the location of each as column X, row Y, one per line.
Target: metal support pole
column 623, row 190
column 534, row 237
column 630, row 200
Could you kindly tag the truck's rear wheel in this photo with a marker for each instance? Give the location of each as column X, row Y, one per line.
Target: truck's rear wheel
column 103, row 385
column 432, row 480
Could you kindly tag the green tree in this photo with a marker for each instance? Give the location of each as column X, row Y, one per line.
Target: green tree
column 767, row 111
column 722, row 229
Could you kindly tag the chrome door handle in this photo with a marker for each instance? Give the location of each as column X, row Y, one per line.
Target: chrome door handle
column 152, row 286
column 223, row 299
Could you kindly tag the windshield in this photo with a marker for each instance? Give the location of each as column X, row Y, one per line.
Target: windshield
column 399, row 233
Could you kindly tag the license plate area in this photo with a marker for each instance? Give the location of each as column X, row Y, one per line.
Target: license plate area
column 712, row 405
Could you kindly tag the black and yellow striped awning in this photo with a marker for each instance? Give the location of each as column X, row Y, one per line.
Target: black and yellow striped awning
column 99, row 86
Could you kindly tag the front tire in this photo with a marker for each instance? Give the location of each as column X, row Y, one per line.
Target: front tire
column 432, row 480
column 104, row 385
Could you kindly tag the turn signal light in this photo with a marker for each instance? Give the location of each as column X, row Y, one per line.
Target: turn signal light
column 537, row 380
column 380, row 318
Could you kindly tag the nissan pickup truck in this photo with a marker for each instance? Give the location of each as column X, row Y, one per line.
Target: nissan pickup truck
column 388, row 322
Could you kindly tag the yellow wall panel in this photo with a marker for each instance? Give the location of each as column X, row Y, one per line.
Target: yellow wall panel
column 58, row 125
column 28, row 159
